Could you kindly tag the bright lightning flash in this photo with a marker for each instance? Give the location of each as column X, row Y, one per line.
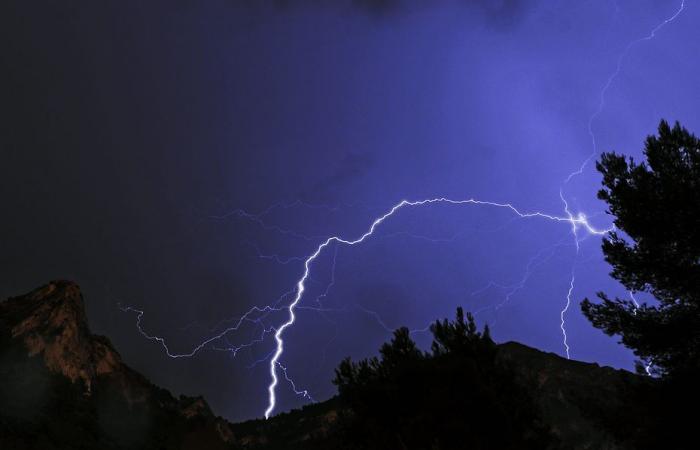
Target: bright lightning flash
column 575, row 222
column 256, row 315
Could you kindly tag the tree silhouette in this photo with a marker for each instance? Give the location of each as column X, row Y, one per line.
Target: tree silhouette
column 459, row 396
column 656, row 205
column 460, row 336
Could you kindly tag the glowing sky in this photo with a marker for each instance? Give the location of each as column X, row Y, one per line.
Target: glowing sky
column 136, row 135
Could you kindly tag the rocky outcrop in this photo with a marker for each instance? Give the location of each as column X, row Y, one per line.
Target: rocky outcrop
column 53, row 371
column 51, row 322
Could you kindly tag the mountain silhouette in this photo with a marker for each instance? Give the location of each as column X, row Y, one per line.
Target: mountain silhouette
column 62, row 387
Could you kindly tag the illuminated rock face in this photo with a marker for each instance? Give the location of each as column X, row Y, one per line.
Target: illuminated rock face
column 60, row 382
column 51, row 322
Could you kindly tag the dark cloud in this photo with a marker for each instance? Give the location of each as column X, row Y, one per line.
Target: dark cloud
column 499, row 13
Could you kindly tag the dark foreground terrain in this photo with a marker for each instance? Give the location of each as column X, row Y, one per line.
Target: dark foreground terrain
column 61, row 387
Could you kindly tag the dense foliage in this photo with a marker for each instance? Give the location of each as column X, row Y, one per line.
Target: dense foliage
column 459, row 395
column 656, row 250
column 656, row 205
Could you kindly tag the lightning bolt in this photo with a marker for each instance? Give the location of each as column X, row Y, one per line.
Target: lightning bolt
column 647, row 367
column 245, row 318
column 256, row 314
column 578, row 223
column 608, row 83
column 580, row 220
column 537, row 260
column 304, row 393
column 562, row 325
column 636, row 303
column 594, row 148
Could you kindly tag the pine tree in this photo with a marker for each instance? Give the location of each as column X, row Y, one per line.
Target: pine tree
column 655, row 249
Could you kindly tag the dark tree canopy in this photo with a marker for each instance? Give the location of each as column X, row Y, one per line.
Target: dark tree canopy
column 458, row 396
column 655, row 249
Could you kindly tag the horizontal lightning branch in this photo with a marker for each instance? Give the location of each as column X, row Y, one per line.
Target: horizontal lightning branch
column 574, row 221
column 256, row 315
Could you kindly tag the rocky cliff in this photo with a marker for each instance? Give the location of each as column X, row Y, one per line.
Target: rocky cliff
column 63, row 387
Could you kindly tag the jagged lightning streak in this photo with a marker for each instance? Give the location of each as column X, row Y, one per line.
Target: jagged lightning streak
column 511, row 290
column 562, row 325
column 577, row 223
column 304, row 393
column 249, row 316
column 579, row 220
column 562, row 313
column 234, row 349
column 611, row 78
column 245, row 318
column 647, row 367
column 594, row 146
column 635, row 302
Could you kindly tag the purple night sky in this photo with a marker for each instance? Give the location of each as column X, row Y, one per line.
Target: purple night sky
column 184, row 158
